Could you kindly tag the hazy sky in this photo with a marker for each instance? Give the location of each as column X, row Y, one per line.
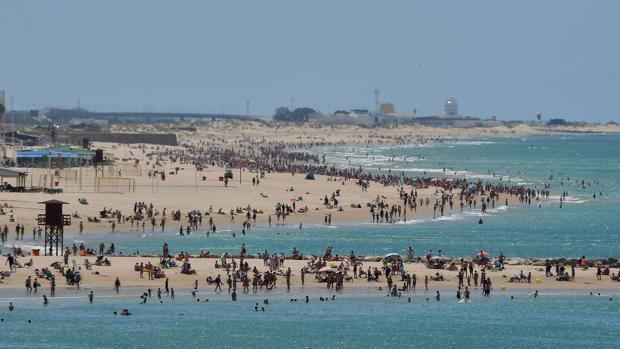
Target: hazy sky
column 510, row 59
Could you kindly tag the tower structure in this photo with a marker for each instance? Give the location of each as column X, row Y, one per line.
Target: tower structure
column 98, row 162
column 377, row 112
column 54, row 222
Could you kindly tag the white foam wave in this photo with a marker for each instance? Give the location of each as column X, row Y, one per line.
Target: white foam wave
column 567, row 199
column 410, row 221
column 450, row 218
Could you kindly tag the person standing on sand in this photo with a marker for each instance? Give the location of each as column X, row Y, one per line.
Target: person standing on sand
column 10, row 260
column 426, row 282
column 28, row 285
column 218, row 283
column 410, row 253
column 117, row 285
column 288, row 279
column 66, row 256
column 303, row 275
column 583, row 263
column 229, row 283
column 91, row 296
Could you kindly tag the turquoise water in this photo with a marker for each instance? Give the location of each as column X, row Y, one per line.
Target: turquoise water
column 351, row 321
column 584, row 225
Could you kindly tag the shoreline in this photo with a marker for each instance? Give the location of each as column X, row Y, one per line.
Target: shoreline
column 98, row 277
column 133, row 293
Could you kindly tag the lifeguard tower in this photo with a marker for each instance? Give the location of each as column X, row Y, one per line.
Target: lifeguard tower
column 54, row 221
column 99, row 162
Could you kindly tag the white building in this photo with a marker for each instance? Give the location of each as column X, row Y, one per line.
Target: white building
column 450, row 108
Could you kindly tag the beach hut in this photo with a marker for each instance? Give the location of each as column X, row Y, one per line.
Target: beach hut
column 20, row 179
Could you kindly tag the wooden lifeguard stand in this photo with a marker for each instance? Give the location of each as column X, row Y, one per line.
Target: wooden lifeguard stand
column 99, row 162
column 54, row 221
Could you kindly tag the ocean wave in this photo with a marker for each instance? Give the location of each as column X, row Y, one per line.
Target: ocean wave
column 410, row 221
column 450, row 218
column 567, row 199
column 429, row 170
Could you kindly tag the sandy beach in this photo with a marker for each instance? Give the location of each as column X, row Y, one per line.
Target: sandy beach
column 103, row 277
column 188, row 187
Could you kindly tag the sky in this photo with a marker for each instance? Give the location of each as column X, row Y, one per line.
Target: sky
column 510, row 59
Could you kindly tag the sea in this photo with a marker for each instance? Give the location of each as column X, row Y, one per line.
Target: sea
column 585, row 166
column 350, row 321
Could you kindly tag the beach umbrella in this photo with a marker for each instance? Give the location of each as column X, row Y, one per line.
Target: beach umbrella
column 391, row 256
column 327, row 270
column 223, row 256
column 483, row 253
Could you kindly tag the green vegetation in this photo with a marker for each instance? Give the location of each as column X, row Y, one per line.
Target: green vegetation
column 297, row 115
